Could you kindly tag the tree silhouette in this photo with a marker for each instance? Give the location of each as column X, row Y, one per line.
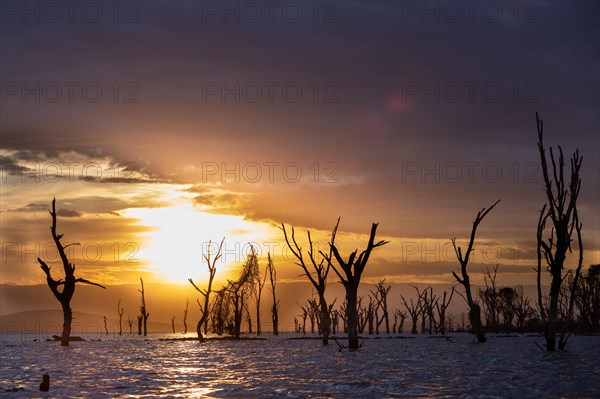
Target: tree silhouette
column 185, row 313
column 318, row 275
column 463, row 259
column 353, row 269
column 143, row 317
column 561, row 211
column 69, row 282
column 212, row 269
column 275, row 308
column 120, row 313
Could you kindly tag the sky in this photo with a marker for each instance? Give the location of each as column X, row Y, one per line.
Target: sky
column 164, row 127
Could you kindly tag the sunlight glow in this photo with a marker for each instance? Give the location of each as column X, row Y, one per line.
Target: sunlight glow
column 178, row 235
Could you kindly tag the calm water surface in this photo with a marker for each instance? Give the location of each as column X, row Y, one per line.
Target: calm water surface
column 131, row 367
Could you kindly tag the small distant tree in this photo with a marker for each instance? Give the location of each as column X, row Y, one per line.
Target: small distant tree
column 442, row 308
column 173, row 323
column 120, row 311
column 463, row 259
column 105, row 325
column 317, row 275
column 185, row 314
column 130, row 324
column 69, row 282
column 353, row 269
column 143, row 317
column 414, row 308
column 381, row 294
column 561, row 211
column 491, row 299
column 212, row 269
column 275, row 308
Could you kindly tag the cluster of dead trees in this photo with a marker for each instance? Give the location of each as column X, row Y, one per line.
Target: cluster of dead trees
column 224, row 311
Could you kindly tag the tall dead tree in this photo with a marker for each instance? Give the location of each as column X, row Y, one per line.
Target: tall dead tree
column 105, row 325
column 212, row 269
column 173, row 323
column 130, row 324
column 353, row 269
column 275, row 308
column 463, row 259
column 120, row 311
column 317, row 275
column 69, row 282
column 561, row 211
column 143, row 317
column 185, row 314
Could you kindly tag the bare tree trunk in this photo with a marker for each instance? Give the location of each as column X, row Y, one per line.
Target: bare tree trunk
column 68, row 283
column 67, row 319
column 275, row 308
column 474, row 309
column 212, row 269
column 120, row 312
column 562, row 212
column 105, row 326
column 143, row 312
column 185, row 313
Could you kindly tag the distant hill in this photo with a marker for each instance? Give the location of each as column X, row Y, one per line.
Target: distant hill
column 48, row 322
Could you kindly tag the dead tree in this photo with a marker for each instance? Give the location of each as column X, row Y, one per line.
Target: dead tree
column 318, row 275
column 130, row 324
column 381, row 293
column 441, row 310
column 185, row 313
column 399, row 318
column 120, row 312
column 463, row 259
column 413, row 309
column 353, row 269
column 105, row 325
column 491, row 300
column 69, row 282
column 238, row 291
column 561, row 211
column 305, row 311
column 140, row 318
column 258, row 287
column 173, row 323
column 275, row 308
column 212, row 269
column 143, row 318
column 429, row 305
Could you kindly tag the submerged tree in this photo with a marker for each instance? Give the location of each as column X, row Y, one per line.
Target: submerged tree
column 185, row 313
column 353, row 269
column 463, row 259
column 275, row 308
column 120, row 311
column 317, row 275
column 561, row 211
column 143, row 317
column 69, row 282
column 212, row 269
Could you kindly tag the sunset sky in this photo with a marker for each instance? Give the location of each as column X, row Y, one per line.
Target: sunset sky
column 159, row 126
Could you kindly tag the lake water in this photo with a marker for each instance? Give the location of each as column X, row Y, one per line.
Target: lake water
column 132, row 367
